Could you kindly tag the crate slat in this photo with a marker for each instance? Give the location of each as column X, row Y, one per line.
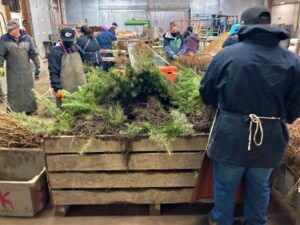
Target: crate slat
column 117, row 162
column 59, row 145
column 122, row 180
column 148, row 196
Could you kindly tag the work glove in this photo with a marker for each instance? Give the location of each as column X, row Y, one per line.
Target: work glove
column 175, row 56
column 2, row 71
column 59, row 94
column 37, row 73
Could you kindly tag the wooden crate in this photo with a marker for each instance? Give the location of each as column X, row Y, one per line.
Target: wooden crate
column 23, row 186
column 106, row 173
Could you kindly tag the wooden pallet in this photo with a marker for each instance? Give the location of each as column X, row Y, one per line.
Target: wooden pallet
column 107, row 174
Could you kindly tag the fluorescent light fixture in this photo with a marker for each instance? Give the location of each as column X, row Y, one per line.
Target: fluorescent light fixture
column 282, row 3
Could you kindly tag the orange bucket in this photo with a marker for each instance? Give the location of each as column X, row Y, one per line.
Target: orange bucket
column 170, row 72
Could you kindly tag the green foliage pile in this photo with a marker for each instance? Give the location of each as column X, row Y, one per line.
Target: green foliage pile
column 137, row 101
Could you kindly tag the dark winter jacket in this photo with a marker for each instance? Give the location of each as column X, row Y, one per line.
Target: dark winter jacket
column 105, row 39
column 28, row 45
column 264, row 80
column 112, row 30
column 231, row 40
column 91, row 48
column 191, row 44
column 54, row 64
column 188, row 32
column 173, row 45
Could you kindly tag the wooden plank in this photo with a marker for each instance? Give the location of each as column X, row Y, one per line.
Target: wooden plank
column 61, row 210
column 148, row 196
column 77, row 144
column 25, row 9
column 298, row 207
column 122, row 180
column 154, row 209
column 197, row 143
column 117, row 162
column 58, row 145
column 7, row 12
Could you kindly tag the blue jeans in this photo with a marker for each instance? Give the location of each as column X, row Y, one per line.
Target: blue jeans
column 226, row 180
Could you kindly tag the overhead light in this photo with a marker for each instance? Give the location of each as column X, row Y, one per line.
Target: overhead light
column 282, row 3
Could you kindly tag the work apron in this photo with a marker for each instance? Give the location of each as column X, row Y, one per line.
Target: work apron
column 72, row 74
column 90, row 55
column 20, row 79
column 204, row 186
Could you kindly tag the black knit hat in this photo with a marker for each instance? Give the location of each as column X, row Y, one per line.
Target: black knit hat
column 256, row 15
column 190, row 29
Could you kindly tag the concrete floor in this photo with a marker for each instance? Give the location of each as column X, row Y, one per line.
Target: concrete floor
column 279, row 214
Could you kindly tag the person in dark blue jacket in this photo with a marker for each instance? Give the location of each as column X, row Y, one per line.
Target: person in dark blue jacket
column 105, row 40
column 113, row 28
column 173, row 42
column 90, row 47
column 233, row 38
column 256, row 93
column 65, row 63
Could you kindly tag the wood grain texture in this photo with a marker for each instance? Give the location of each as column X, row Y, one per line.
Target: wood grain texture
column 117, row 162
column 149, row 196
column 122, row 180
column 58, row 145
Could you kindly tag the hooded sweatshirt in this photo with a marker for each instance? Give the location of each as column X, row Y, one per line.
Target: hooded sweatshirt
column 173, row 45
column 264, row 80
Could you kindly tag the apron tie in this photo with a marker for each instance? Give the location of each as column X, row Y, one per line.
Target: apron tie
column 257, row 121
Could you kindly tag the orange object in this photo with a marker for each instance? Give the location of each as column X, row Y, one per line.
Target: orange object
column 59, row 95
column 170, row 72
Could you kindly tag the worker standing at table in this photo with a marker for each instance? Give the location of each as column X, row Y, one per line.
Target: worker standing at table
column 90, row 46
column 255, row 84
column 173, row 42
column 65, row 63
column 113, row 28
column 105, row 40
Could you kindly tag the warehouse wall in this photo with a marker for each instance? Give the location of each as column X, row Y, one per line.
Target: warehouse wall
column 228, row 7
column 104, row 12
column 41, row 22
column 99, row 12
column 288, row 14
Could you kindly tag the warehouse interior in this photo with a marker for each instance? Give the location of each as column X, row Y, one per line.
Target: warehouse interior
column 141, row 112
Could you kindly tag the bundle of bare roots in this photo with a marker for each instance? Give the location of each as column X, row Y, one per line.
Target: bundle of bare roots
column 292, row 157
column 13, row 135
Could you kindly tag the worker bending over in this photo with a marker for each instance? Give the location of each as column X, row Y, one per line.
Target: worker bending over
column 65, row 63
column 17, row 49
column 173, row 42
column 256, row 93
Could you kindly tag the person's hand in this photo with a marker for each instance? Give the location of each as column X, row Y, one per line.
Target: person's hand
column 175, row 56
column 37, row 73
column 2, row 71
